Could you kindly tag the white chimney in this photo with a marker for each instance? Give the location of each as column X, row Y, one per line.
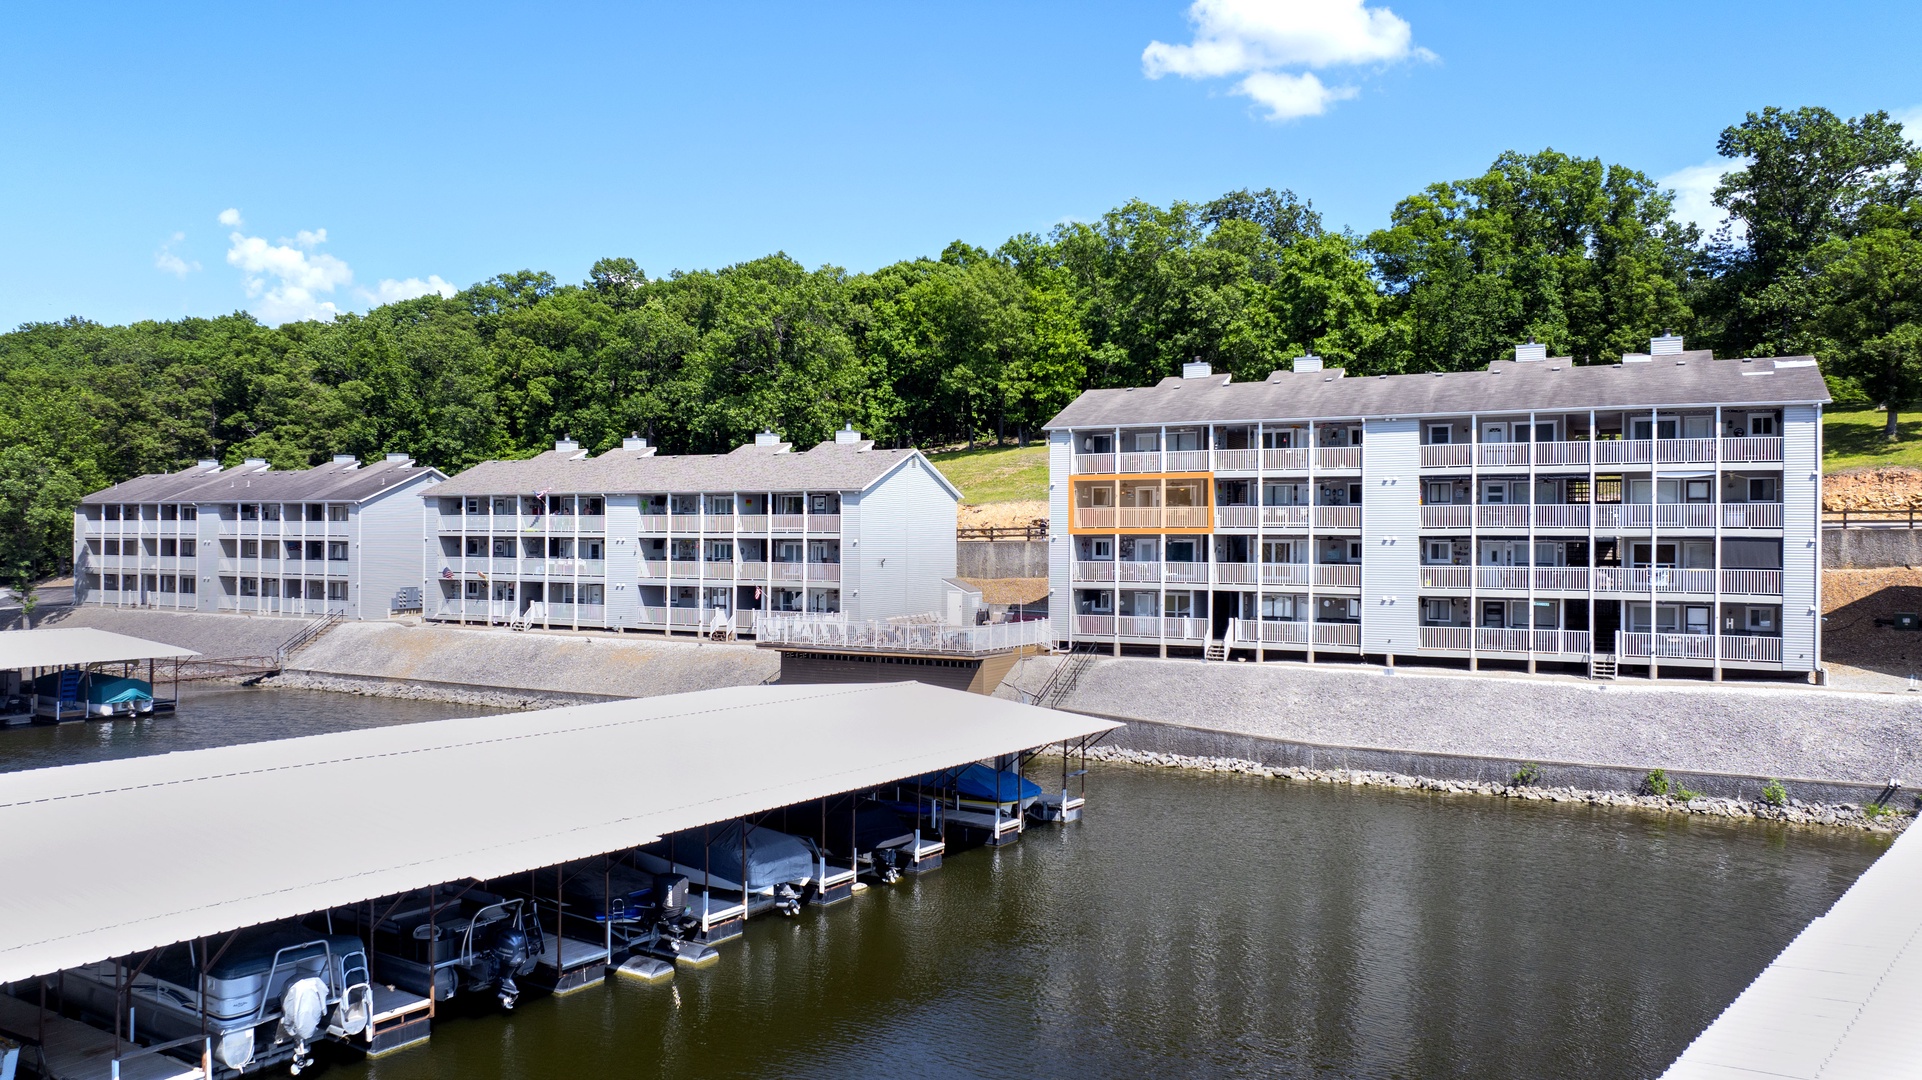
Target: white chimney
column 633, row 442
column 1666, row 345
column 1531, row 352
column 767, row 438
column 847, row 435
column 1311, row 362
column 400, row 458
column 209, row 463
column 1196, row 369
column 346, row 459
column 255, row 461
column 566, row 445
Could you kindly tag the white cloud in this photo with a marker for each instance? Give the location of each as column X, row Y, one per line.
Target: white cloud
column 1911, row 121
column 390, row 291
column 230, row 217
column 286, row 283
column 1259, row 39
column 167, row 262
column 1694, row 189
column 307, row 238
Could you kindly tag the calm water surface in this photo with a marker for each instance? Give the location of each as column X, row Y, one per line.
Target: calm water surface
column 1191, row 926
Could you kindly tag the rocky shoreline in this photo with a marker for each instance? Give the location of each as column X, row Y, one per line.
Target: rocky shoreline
column 1796, row 812
column 484, row 697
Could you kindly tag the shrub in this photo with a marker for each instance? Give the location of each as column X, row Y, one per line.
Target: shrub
column 1529, row 773
column 1874, row 811
column 1774, row 794
column 1655, row 783
column 1686, row 795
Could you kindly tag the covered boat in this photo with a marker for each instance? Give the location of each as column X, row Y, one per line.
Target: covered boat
column 72, row 694
column 780, row 869
column 984, row 785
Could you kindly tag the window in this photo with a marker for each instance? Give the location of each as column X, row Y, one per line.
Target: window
column 1545, row 431
column 1438, row 434
column 1695, row 619
column 166, row 583
column 1440, row 493
column 1438, row 612
column 1181, row 551
column 723, row 551
column 1278, row 607
column 1696, row 490
column 818, row 504
column 1354, row 551
column 1698, row 427
column 249, row 586
column 1103, row 549
column 337, row 551
column 1097, row 603
column 169, row 512
column 169, row 548
column 1760, row 620
column 337, row 512
column 317, row 590
column 250, row 549
column 1763, row 489
column 1144, row 442
column 113, row 547
column 477, row 506
column 1545, row 615
column 110, row 582
column 475, row 548
column 336, row 590
column 190, row 513
column 186, row 584
column 1761, row 425
column 1494, row 492
column 316, row 512
column 249, row 512
column 503, row 548
column 473, row 590
column 1097, row 444
column 270, row 512
column 1180, row 605
column 1440, row 552
column 110, row 512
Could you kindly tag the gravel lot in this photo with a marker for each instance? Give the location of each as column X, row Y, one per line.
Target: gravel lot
column 1788, row 732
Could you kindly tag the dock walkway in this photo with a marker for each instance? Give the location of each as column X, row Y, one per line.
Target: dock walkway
column 77, row 1051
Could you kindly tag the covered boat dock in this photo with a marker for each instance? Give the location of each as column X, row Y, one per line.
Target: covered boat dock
column 116, row 859
column 25, row 654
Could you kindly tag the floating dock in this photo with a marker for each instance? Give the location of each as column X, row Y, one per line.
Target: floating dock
column 25, row 653
column 150, row 852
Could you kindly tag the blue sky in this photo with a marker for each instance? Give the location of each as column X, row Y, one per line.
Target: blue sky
column 385, row 150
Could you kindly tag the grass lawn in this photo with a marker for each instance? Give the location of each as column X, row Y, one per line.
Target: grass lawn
column 1003, row 474
column 1854, row 438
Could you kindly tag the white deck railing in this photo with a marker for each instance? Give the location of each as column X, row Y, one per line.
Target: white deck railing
column 1561, row 516
column 1270, row 632
column 1284, row 517
column 1446, row 577
column 1446, row 516
column 1341, row 575
column 1237, row 460
column 1752, row 582
column 1755, row 515
column 1338, row 457
column 1447, row 455
column 1285, row 573
column 834, row 631
column 1339, row 635
column 1752, row 449
column 1337, row 517
column 1285, row 459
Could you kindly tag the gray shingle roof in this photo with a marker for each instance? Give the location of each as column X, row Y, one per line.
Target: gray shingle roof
column 332, row 482
column 1676, row 380
column 827, row 467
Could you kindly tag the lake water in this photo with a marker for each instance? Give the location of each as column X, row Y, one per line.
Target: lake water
column 1192, row 925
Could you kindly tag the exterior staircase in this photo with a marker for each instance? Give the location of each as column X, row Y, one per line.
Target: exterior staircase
column 1601, row 666
column 306, row 636
column 1217, row 649
column 1062, row 682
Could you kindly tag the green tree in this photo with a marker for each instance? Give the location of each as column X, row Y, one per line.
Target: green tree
column 1869, row 288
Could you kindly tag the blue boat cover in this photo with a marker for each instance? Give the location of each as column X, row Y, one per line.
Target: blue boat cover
column 772, row 857
column 109, row 690
column 984, row 784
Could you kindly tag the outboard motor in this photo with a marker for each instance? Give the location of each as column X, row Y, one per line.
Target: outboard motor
column 303, row 1007
column 789, row 900
column 514, row 951
column 888, row 863
column 671, row 920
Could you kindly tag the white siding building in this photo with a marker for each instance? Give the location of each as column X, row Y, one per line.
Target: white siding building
column 1658, row 513
column 630, row 540
column 341, row 538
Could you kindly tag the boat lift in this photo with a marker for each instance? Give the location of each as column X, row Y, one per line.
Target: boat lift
column 44, row 672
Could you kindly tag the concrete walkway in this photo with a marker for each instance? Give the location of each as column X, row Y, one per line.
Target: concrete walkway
column 1789, row 732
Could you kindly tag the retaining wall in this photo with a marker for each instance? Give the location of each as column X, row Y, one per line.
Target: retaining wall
column 1724, row 740
column 1001, row 558
column 1867, row 549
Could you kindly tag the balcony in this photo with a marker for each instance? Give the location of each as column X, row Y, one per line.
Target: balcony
column 1502, row 578
column 834, row 631
column 1643, row 579
column 1251, row 632
column 1501, row 453
column 1446, row 638
column 1094, row 463
column 1752, row 582
column 1237, row 460
column 1685, row 451
column 1754, row 515
column 1285, row 459
column 1237, row 517
column 1185, row 572
column 1094, row 625
column 722, row 524
column 577, row 568
column 787, row 522
column 824, row 524
column 1337, row 517
column 1138, row 463
column 656, row 524
column 1093, row 571
column 1237, row 573
column 1137, row 571
column 1561, row 453
column 1490, row 639
column 1561, row 516
column 1753, row 449
column 1665, row 646
column 1446, row 516
column 1286, row 573
column 1639, row 516
column 1338, row 457
column 750, row 571
column 684, row 568
column 786, row 571
column 1561, row 579
column 1446, row 577
column 1491, row 516
column 1447, row 455
column 1186, row 461
column 1753, row 649
column 718, row 570
column 1284, row 517
column 824, row 571
column 1337, row 635
column 1338, row 575
column 1623, row 451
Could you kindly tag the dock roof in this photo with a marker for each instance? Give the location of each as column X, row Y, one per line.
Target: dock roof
column 1841, row 1000
column 78, row 645
column 116, row 857
column 1677, row 380
column 336, row 481
column 829, row 466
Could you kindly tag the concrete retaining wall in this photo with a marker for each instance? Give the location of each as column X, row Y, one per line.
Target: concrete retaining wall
column 1867, row 549
column 1002, row 558
column 1599, row 736
column 212, row 635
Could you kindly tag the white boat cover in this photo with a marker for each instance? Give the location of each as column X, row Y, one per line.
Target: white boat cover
column 1842, row 1000
column 116, row 857
column 73, row 646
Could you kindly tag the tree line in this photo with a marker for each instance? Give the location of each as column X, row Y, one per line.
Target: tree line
column 1822, row 254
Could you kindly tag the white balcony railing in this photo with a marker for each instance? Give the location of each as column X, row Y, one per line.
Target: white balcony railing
column 1755, row 515
column 1185, row 461
column 750, row 571
column 1500, row 639
column 1752, row 582
column 831, row 630
column 1094, row 571
column 1446, row 577
column 1185, row 572
column 1285, row 459
column 1623, row 451
column 1236, row 573
column 1096, row 464
column 1253, row 632
column 1502, row 517
column 1561, row 579
column 1284, row 517
column 1337, row 517
column 1137, row 571
column 1237, row 517
column 1451, row 638
column 1140, row 626
column 1561, row 642
column 1665, row 646
column 1752, row 449
column 1685, row 451
column 1285, row 573
column 1237, row 460
column 1138, row 463
column 1094, row 625
column 824, row 523
column 1561, row 515
column 1338, row 457
column 1340, row 575
column 1561, row 453
column 1502, row 453
column 787, row 522
column 1447, row 516
column 1751, row 649
column 1338, row 635
column 1447, row 455
column 1511, row 578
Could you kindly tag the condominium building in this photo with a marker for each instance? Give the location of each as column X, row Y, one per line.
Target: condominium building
column 630, row 539
column 342, row 538
column 1661, row 512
